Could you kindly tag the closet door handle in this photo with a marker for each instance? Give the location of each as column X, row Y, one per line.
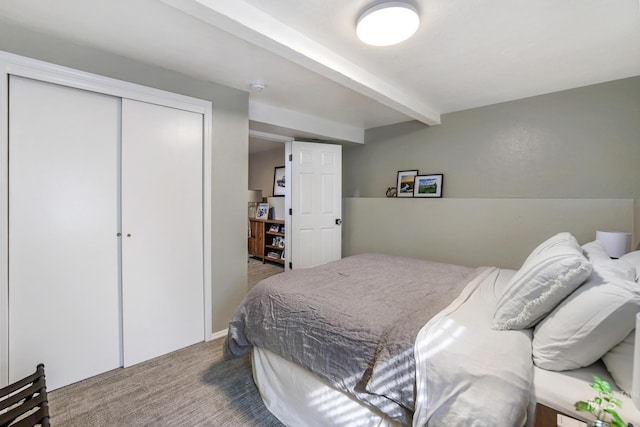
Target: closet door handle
column 129, row 235
column 119, row 234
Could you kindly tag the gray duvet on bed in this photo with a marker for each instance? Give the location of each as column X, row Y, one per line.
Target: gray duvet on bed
column 353, row 322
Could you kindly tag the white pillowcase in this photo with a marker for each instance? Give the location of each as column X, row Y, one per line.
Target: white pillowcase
column 551, row 272
column 633, row 258
column 593, row 319
column 596, row 253
column 619, row 362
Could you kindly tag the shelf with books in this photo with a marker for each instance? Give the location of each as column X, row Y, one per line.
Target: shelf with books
column 274, row 235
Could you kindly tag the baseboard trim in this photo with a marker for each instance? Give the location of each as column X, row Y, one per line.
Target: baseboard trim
column 219, row 334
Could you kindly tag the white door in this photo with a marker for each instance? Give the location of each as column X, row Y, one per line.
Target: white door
column 162, row 234
column 316, row 204
column 63, row 202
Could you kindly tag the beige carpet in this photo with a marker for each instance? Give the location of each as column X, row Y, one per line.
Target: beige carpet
column 258, row 271
column 190, row 387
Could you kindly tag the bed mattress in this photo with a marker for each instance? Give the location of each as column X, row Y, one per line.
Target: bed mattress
column 298, row 397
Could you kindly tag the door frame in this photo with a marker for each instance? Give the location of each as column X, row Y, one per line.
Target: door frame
column 11, row 64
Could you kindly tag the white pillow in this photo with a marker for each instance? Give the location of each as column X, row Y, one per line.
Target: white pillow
column 594, row 318
column 632, row 258
column 619, row 362
column 551, row 272
column 596, row 253
column 563, row 238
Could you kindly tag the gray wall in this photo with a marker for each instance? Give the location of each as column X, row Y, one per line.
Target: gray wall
column 230, row 126
column 484, row 231
column 580, row 143
column 577, row 144
column 261, row 168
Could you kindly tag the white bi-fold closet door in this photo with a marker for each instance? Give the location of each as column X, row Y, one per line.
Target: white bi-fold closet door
column 105, row 231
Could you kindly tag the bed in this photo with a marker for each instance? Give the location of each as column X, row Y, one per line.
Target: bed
column 380, row 340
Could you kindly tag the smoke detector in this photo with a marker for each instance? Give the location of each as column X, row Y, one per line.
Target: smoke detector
column 257, row 86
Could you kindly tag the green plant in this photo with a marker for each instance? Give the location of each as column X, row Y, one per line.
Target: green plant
column 603, row 405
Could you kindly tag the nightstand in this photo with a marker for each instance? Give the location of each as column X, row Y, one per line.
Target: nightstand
column 549, row 417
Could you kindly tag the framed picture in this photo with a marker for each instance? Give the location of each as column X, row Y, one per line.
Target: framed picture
column 263, row 211
column 428, row 185
column 274, row 228
column 278, row 181
column 405, row 183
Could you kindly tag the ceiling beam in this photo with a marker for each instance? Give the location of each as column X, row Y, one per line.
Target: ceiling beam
column 322, row 128
column 261, row 29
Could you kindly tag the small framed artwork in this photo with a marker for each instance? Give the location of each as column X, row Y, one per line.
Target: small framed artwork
column 405, row 183
column 428, row 185
column 274, row 228
column 279, row 183
column 263, row 211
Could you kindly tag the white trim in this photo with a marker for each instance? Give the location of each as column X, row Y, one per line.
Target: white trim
column 207, row 212
column 219, row 334
column 4, row 220
column 46, row 72
column 39, row 70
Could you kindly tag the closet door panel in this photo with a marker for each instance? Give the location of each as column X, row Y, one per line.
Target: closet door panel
column 162, row 247
column 63, row 219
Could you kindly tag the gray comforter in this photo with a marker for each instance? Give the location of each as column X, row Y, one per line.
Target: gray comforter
column 353, row 322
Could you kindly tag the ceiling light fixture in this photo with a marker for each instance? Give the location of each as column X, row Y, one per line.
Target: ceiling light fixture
column 257, row 86
column 388, row 23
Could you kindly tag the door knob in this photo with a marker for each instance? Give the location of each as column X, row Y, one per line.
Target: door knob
column 338, row 221
column 129, row 235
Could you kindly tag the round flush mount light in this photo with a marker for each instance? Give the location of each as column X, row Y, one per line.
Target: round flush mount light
column 386, row 24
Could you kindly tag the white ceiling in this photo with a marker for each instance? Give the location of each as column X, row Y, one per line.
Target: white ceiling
column 322, row 82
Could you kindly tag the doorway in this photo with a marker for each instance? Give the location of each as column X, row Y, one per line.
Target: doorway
column 301, row 186
column 266, row 153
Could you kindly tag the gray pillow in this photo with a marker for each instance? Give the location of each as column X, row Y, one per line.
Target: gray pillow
column 552, row 271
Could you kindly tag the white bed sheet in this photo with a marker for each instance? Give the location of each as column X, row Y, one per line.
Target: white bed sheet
column 297, row 397
column 560, row 390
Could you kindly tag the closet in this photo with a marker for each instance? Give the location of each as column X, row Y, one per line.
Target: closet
column 105, row 230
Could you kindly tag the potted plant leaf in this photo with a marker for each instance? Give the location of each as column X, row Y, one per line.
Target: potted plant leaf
column 603, row 406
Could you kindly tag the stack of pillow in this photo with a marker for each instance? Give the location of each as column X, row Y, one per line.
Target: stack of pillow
column 582, row 304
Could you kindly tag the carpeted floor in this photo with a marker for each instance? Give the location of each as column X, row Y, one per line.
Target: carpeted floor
column 190, row 387
column 257, row 271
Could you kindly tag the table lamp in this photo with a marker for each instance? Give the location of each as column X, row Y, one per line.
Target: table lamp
column 255, row 197
column 615, row 243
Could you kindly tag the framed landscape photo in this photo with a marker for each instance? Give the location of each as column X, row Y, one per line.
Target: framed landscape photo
column 428, row 185
column 279, row 183
column 405, row 183
column 263, row 211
